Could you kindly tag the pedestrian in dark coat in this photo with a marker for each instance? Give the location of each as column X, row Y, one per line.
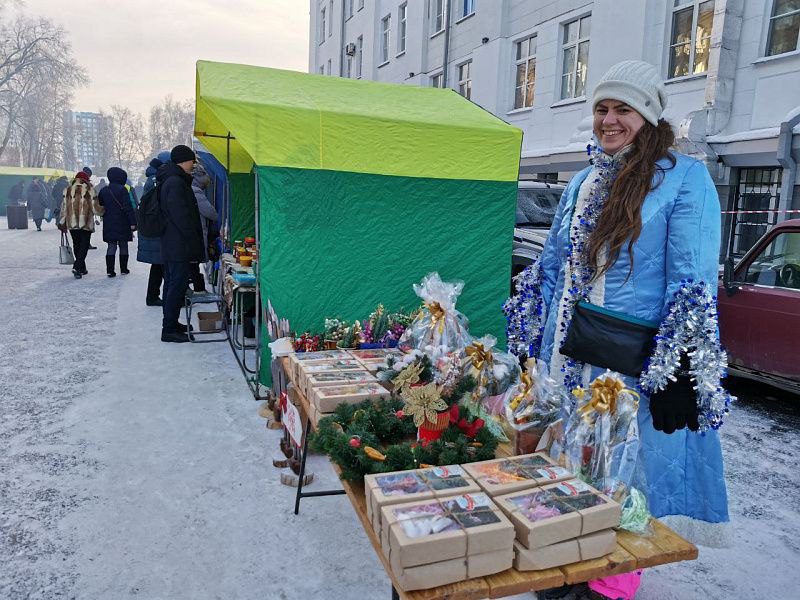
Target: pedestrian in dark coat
column 119, row 221
column 149, row 249
column 37, row 201
column 57, row 196
column 15, row 193
column 182, row 241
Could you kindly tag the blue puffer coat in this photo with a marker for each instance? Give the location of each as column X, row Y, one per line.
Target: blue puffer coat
column 680, row 240
column 119, row 215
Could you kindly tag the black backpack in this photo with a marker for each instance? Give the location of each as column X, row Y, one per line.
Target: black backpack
column 151, row 222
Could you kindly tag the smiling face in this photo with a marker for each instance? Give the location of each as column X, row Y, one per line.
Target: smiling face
column 615, row 125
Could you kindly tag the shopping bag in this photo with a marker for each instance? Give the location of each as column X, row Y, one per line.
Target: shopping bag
column 65, row 256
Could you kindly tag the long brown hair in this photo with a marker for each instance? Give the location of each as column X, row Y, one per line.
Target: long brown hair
column 621, row 218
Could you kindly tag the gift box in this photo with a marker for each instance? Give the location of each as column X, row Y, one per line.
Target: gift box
column 325, row 366
column 505, row 475
column 298, row 358
column 374, row 354
column 326, row 399
column 559, row 512
column 333, row 378
column 452, row 539
column 373, row 365
column 586, row 547
column 386, row 489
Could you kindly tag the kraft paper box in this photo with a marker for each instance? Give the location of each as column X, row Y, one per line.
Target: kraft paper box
column 374, row 354
column 329, row 378
column 419, row 533
column 487, row 528
column 299, row 358
column 489, row 563
column 432, row 575
column 325, row 366
column 326, row 399
column 557, row 513
column 505, row 475
column 448, row 480
column 583, row 548
column 373, row 366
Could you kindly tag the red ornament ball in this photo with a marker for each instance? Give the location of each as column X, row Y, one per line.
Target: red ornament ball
column 400, row 414
column 355, row 442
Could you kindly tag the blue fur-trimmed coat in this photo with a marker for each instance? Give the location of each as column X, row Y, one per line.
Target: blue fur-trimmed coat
column 680, row 240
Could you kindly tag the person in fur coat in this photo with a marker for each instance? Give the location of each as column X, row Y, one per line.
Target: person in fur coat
column 78, row 211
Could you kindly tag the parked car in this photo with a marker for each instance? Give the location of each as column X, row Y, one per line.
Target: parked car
column 537, row 202
column 759, row 309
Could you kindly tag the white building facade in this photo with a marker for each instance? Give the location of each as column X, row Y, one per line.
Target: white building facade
column 84, row 139
column 732, row 71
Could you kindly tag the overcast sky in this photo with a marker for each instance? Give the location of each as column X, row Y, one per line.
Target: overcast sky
column 138, row 51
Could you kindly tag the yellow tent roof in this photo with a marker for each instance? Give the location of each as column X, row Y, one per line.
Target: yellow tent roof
column 34, row 172
column 293, row 119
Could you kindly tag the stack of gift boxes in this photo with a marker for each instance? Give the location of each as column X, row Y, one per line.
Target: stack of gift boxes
column 441, row 525
column 332, row 377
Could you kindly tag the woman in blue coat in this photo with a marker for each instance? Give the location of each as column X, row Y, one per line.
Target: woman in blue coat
column 636, row 240
column 119, row 221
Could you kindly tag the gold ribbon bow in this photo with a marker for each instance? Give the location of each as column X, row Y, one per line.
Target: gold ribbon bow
column 605, row 392
column 525, row 385
column 437, row 315
column 479, row 355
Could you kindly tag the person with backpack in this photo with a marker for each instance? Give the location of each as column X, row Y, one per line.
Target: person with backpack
column 119, row 221
column 149, row 250
column 182, row 237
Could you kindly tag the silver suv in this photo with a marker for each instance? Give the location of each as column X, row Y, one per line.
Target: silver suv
column 537, row 202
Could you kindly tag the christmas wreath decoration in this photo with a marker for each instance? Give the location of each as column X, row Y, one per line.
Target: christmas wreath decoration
column 376, row 436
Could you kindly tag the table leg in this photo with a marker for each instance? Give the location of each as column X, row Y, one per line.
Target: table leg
column 306, row 433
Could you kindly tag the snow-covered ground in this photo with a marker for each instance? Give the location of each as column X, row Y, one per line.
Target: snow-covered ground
column 131, row 468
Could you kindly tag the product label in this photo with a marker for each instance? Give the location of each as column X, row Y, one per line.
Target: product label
column 552, row 473
column 473, row 501
column 573, row 487
column 451, row 471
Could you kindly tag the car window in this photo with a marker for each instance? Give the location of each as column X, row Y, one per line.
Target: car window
column 778, row 265
column 537, row 207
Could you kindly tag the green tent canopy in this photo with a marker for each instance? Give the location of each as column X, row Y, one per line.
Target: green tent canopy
column 363, row 188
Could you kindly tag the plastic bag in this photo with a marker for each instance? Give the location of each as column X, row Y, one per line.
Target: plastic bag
column 438, row 324
column 603, row 446
column 535, row 401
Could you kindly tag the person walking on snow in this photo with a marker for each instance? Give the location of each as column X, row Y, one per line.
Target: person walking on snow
column 36, row 198
column 182, row 240
column 77, row 215
column 637, row 233
column 119, row 221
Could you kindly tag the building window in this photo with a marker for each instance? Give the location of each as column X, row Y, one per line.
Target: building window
column 437, row 80
column 359, row 55
column 691, row 37
column 575, row 56
column 330, row 19
column 784, row 27
column 349, row 8
column 525, row 80
column 386, row 27
column 465, row 79
column 360, row 4
column 437, row 16
column 756, row 190
column 323, row 27
column 402, row 17
column 467, row 8
column 349, row 66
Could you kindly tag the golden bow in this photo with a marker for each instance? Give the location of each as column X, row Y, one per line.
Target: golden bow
column 525, row 385
column 605, row 392
column 479, row 355
column 437, row 315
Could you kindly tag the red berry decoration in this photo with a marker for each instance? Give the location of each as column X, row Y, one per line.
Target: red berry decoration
column 400, row 414
column 355, row 442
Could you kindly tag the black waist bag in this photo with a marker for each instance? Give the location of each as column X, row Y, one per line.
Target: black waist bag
column 609, row 339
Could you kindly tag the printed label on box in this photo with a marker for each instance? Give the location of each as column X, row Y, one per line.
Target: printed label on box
column 450, row 471
column 473, row 501
column 573, row 487
column 553, row 473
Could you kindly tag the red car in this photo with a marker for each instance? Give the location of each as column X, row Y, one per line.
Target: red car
column 759, row 309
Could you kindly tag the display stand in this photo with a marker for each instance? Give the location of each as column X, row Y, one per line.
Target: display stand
column 633, row 552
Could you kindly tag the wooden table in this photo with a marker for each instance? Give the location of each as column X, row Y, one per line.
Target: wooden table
column 632, row 552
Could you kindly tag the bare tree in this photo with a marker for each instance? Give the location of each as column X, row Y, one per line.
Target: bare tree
column 171, row 123
column 128, row 145
column 37, row 78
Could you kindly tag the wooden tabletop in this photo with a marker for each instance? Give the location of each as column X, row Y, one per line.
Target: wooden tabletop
column 632, row 552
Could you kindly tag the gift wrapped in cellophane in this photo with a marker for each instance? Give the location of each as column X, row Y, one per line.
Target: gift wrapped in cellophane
column 438, row 324
column 602, row 446
column 494, row 373
column 535, row 401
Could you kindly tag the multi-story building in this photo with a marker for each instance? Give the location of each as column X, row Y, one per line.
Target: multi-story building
column 732, row 72
column 85, row 140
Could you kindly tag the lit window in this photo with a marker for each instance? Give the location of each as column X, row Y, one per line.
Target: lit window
column 402, row 15
column 525, row 78
column 437, row 80
column 386, row 26
column 575, row 57
column 691, row 37
column 465, row 79
column 784, row 27
column 437, row 16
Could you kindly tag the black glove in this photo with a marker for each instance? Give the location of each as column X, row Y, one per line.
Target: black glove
column 675, row 407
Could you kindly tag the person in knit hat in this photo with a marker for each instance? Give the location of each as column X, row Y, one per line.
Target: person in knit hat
column 636, row 240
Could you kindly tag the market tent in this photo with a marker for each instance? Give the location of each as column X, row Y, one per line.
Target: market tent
column 364, row 188
column 9, row 176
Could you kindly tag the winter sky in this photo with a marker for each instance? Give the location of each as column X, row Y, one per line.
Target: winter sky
column 138, row 51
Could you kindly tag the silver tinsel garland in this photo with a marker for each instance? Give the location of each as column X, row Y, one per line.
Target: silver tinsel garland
column 690, row 328
column 526, row 313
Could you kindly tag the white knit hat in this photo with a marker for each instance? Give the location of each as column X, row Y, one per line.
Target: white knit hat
column 637, row 84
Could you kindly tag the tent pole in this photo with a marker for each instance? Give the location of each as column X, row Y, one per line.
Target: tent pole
column 258, row 288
